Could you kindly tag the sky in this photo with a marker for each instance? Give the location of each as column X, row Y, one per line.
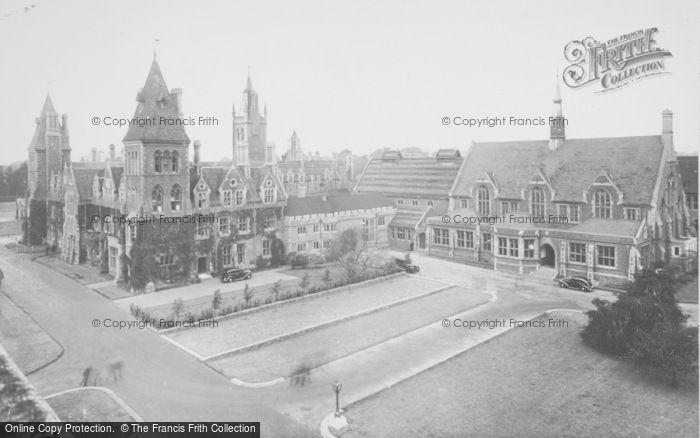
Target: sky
column 358, row 74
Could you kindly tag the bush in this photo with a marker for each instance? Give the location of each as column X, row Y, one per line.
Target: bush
column 646, row 326
column 298, row 260
column 261, row 263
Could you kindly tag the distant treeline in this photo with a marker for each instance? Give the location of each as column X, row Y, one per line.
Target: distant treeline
column 13, row 182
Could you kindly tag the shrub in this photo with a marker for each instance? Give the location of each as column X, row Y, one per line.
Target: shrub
column 276, row 289
column 178, row 307
column 646, row 326
column 298, row 260
column 217, row 301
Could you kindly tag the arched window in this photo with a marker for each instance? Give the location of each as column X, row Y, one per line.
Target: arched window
column 157, row 199
column 175, row 198
column 602, row 207
column 156, row 161
column 537, row 202
column 484, row 199
column 174, row 160
column 202, row 199
column 165, row 162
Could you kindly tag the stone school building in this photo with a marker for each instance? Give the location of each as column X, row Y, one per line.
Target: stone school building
column 597, row 207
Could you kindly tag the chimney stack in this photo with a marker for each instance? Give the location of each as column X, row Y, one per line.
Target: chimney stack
column 197, row 147
column 64, row 122
column 111, row 153
column 93, row 155
column 177, row 92
column 667, row 129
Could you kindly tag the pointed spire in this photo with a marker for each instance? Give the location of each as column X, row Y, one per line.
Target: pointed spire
column 48, row 105
column 249, row 83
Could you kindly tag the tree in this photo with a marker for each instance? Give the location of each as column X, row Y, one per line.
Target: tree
column 217, row 300
column 276, row 289
column 247, row 295
column 178, row 308
column 344, row 244
column 646, row 326
column 327, row 280
column 305, row 281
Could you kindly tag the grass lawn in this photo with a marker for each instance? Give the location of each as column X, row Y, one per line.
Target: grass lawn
column 313, row 310
column 29, row 346
column 688, row 293
column 88, row 405
column 329, row 343
column 529, row 382
column 261, row 293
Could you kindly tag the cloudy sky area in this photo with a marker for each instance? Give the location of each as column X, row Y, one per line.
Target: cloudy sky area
column 358, row 75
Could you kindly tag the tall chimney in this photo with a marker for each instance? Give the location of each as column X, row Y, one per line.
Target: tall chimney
column 667, row 129
column 197, row 147
column 64, row 122
column 177, row 92
column 93, row 154
column 111, row 152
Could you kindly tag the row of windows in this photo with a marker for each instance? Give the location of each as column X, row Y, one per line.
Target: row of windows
column 226, row 253
column 158, row 198
column 401, row 233
column 233, row 198
column 242, row 225
column 314, row 244
column 166, row 161
column 602, row 205
column 414, row 202
column 605, row 255
column 303, row 229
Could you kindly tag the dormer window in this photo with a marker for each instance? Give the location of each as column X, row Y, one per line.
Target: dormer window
column 602, row 204
column 240, row 198
column 269, row 196
column 537, row 202
column 201, row 199
column 484, row 201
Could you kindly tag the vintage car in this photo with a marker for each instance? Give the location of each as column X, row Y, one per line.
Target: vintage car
column 579, row 283
column 234, row 274
column 408, row 267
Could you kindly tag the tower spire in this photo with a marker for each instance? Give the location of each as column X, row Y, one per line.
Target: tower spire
column 557, row 123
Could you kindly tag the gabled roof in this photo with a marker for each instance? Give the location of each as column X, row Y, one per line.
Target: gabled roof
column 414, row 177
column 632, row 162
column 84, row 179
column 335, row 204
column 155, row 101
column 411, row 218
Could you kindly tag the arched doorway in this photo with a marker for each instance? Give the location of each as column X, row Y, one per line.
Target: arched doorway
column 547, row 256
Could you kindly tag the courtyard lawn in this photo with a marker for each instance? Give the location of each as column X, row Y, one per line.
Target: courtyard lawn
column 88, row 405
column 315, row 309
column 29, row 346
column 529, row 382
column 333, row 342
column 688, row 292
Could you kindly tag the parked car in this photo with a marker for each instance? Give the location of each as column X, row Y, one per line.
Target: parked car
column 408, row 267
column 234, row 274
column 579, row 283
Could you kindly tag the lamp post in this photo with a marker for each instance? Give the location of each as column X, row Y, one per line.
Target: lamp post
column 337, row 387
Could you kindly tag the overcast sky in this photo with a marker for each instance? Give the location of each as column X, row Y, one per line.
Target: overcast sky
column 354, row 74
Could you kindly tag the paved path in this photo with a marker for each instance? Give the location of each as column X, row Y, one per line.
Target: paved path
column 161, row 382
column 205, row 288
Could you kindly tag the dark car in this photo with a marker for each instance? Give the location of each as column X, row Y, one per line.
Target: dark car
column 579, row 283
column 234, row 274
column 408, row 267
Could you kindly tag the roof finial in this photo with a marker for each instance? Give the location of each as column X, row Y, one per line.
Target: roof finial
column 155, row 47
column 249, row 83
column 557, row 92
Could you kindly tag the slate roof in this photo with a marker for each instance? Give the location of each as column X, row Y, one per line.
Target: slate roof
column 411, row 218
column 335, row 204
column 39, row 139
column 633, row 163
column 84, row 177
column 689, row 172
column 155, row 101
column 413, row 177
